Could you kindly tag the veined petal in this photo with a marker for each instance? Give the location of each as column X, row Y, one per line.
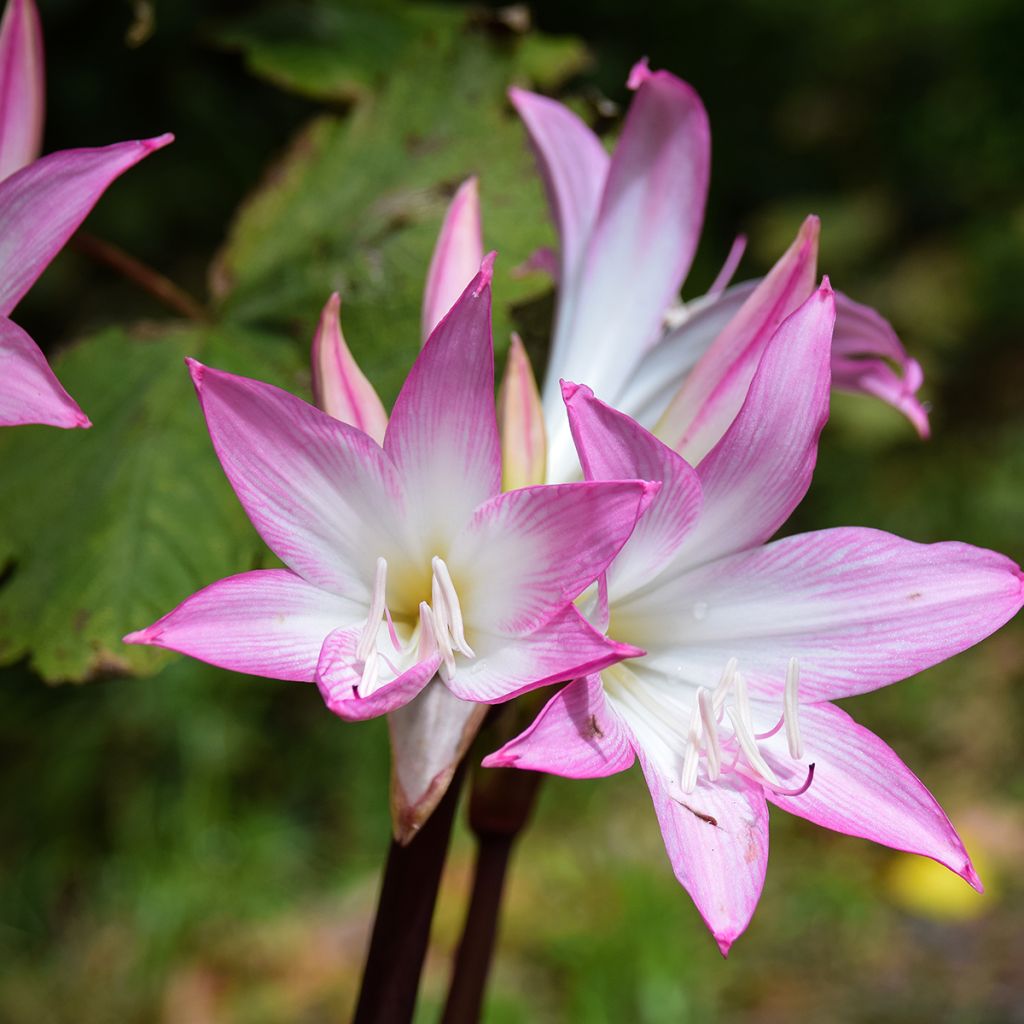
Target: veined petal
column 761, row 469
column 868, row 357
column 577, row 735
column 339, row 387
column 523, row 440
column 29, row 391
column 565, row 647
column 443, row 433
column 457, row 255
column 338, row 680
column 429, row 737
column 642, row 243
column 858, row 608
column 527, row 553
column 662, row 371
column 613, row 447
column 712, row 395
column 717, row 841
column 322, row 494
column 573, row 165
column 269, row 622
column 42, row 205
column 22, row 86
column 861, row 788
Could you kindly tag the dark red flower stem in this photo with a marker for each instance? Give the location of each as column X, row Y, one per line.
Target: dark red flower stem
column 499, row 810
column 401, row 929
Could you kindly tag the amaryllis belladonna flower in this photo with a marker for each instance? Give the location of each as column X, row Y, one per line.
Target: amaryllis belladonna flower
column 407, row 569
column 748, row 642
column 42, row 203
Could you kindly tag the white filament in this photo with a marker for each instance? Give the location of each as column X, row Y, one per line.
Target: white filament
column 368, row 638
column 791, row 709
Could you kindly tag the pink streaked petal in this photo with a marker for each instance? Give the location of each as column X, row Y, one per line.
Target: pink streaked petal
column 862, row 788
column 523, row 440
column 443, row 432
column 565, row 647
column 858, row 608
column 613, row 447
column 761, row 469
column 22, row 86
column 577, row 735
column 338, row 678
column 712, row 395
column 868, row 357
column 42, row 205
column 340, row 388
column 457, row 255
column 717, row 841
column 429, row 737
column 527, row 553
column 29, row 391
column 646, row 393
column 268, row 622
column 643, row 240
column 322, row 494
column 573, row 165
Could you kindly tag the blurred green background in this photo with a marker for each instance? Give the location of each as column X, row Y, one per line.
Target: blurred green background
column 183, row 845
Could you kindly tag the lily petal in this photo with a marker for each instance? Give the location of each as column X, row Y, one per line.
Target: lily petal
column 338, row 680
column 42, row 205
column 457, row 255
column 22, row 86
column 642, row 243
column 563, row 648
column 712, row 395
column 340, row 388
column 761, row 469
column 862, row 788
column 322, row 494
column 443, row 432
column 868, row 357
column 523, row 440
column 858, row 608
column 429, row 737
column 612, row 447
column 717, row 841
column 269, row 622
column 577, row 735
column 29, row 391
column 546, row 545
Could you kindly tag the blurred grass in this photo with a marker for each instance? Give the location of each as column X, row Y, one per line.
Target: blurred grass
column 203, row 847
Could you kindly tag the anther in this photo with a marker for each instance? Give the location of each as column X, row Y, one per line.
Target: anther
column 705, row 704
column 724, row 685
column 792, row 710
column 378, row 603
column 749, row 748
column 368, row 680
column 743, row 703
column 453, row 610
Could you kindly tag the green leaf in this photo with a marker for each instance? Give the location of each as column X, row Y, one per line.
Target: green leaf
column 356, row 204
column 104, row 530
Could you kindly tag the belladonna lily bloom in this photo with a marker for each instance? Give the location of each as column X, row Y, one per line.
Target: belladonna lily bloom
column 748, row 642
column 408, row 572
column 628, row 226
column 42, row 203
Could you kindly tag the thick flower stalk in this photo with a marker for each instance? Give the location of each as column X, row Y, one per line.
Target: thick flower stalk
column 748, row 642
column 628, row 226
column 42, row 203
column 409, row 574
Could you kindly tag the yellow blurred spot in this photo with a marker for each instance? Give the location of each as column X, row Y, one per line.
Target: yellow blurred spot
column 926, row 888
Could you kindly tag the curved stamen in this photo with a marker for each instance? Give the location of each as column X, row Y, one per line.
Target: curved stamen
column 773, row 731
column 749, row 747
column 792, row 710
column 800, row 790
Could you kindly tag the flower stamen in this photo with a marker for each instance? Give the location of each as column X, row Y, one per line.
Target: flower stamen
column 791, row 711
column 378, row 604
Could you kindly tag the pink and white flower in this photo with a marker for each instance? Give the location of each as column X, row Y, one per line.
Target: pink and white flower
column 628, row 225
column 42, row 203
column 748, row 642
column 411, row 579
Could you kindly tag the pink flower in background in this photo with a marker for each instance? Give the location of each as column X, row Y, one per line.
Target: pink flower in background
column 42, row 203
column 408, row 572
column 628, row 226
column 748, row 642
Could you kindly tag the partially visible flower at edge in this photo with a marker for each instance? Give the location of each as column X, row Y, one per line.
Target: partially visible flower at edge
column 409, row 572
column 748, row 642
column 42, row 203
